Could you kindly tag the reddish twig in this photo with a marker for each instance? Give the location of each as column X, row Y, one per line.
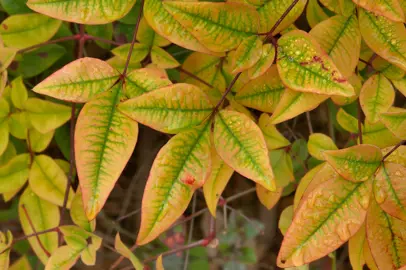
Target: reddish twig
column 194, row 77
column 35, row 232
column 393, row 149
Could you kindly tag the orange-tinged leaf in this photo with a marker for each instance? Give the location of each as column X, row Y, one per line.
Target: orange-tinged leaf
column 395, row 122
column 385, row 37
column 265, row 61
column 304, row 183
column 42, row 220
column 268, row 198
column 386, row 240
column 216, row 182
column 240, row 143
column 347, row 121
column 378, row 134
column 376, row 97
column 388, row 8
column 162, row 58
column 285, row 219
column 369, row 260
column 356, row 249
column 390, row 189
column 304, row 66
column 180, row 167
column 356, row 163
column 356, row 82
column 273, row 138
column 390, row 71
column 323, row 222
column 104, row 141
column 79, row 81
column 315, row 13
column 3, row 81
column 83, row 11
column 218, row 26
column 6, row 57
column 63, row 258
column 169, row 109
column 343, row 7
column 126, row 252
column 294, row 103
column 318, row 143
column 247, row 54
column 340, row 37
column 14, row 174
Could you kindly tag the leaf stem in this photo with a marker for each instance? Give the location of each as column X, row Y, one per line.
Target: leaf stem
column 393, row 149
column 194, row 77
column 309, row 122
column 190, row 234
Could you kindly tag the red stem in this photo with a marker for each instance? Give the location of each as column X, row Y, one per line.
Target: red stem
column 35, row 233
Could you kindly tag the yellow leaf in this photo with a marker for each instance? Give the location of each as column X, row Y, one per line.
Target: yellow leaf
column 3, row 81
column 19, row 94
column 145, row 80
column 318, row 143
column 268, row 198
column 347, row 121
column 377, row 134
column 216, row 182
column 162, row 59
column 390, row 71
column 247, row 54
column 388, row 8
column 356, row 249
column 265, row 61
column 304, row 183
column 159, row 264
column 343, row 7
column 376, row 97
column 369, row 260
column 273, row 138
column 38, row 141
column 14, row 174
column 83, row 11
column 227, row 69
column 6, row 242
column 304, row 66
column 107, row 140
column 78, row 215
column 315, row 13
column 180, row 167
column 21, row 264
column 395, row 122
column 285, row 219
column 63, row 258
column 126, row 252
column 6, row 57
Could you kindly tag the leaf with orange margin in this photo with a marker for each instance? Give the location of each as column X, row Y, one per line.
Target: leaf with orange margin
column 356, row 249
column 181, row 166
column 391, row 9
column 268, row 198
column 323, row 222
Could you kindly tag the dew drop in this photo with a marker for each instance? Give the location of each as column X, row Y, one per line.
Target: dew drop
column 297, row 52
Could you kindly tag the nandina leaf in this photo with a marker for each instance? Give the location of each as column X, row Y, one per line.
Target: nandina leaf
column 395, row 122
column 285, row 219
column 218, row 26
column 304, row 183
column 294, row 103
column 318, row 143
column 79, row 81
column 48, row 180
column 268, row 198
column 356, row 249
column 265, row 61
column 140, row 51
column 145, row 80
column 347, row 121
column 323, row 222
column 277, row 8
column 273, row 138
column 356, row 163
column 386, row 240
column 78, row 215
column 6, row 242
column 240, row 143
column 6, row 57
column 37, row 28
column 262, row 93
column 388, row 8
column 390, row 189
column 147, row 35
column 14, row 174
column 390, row 71
column 378, row 134
column 41, row 220
column 38, row 141
column 340, row 37
column 315, row 13
column 19, row 94
column 343, row 7
column 126, row 252
column 104, row 141
column 385, row 37
column 376, row 97
column 83, row 11
column 180, row 167
column 63, row 258
column 399, row 84
column 21, row 264
column 169, row 109
column 162, row 59
column 216, row 182
column 304, row 66
column 45, row 115
column 247, row 54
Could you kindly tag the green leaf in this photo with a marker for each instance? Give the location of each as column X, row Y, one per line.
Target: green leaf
column 180, row 167
column 107, row 141
column 396, row 123
column 388, row 8
column 62, row 139
column 14, row 174
column 240, row 143
column 169, row 109
column 83, row 11
column 126, row 252
column 39, row 141
column 162, row 59
column 304, row 66
column 273, row 138
column 79, row 81
column 285, row 219
column 15, row 6
column 8, row 154
column 347, row 121
column 145, row 80
column 49, row 181
column 104, row 31
column 147, row 35
column 247, row 54
column 218, row 26
column 19, row 94
column 36, row 28
column 46, row 116
column 140, row 51
column 119, row 64
column 356, row 163
column 318, row 143
column 315, row 13
column 343, row 7
column 265, row 61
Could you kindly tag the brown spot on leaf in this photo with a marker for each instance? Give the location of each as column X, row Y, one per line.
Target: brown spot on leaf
column 43, row 54
column 14, row 65
column 340, row 80
column 189, row 180
column 5, row 26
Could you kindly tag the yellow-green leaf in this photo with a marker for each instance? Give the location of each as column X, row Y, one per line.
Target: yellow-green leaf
column 400, row 85
column 376, row 97
column 83, row 11
column 286, row 219
column 44, row 215
column 390, row 189
column 304, row 66
column 340, row 37
column 305, row 183
column 390, row 71
column 49, row 181
column 356, row 249
column 216, row 182
column 273, row 138
column 24, row 30
column 180, row 167
column 19, row 94
column 343, row 7
column 265, row 61
column 140, row 51
column 145, row 80
column 21, row 264
column 385, row 236
column 398, row 156
column 315, row 13
column 356, row 82
column 119, row 64
column 318, row 143
column 79, row 81
column 18, row 124
column 247, row 54
column 162, row 58
column 169, row 109
column 46, row 116
column 38, row 141
column 277, row 8
column 226, row 67
column 6, row 57
column 323, row 222
column 385, row 37
column 148, row 36
column 4, row 135
column 8, row 154
column 282, row 167
column 268, row 198
column 14, row 174
column 294, row 103
column 378, row 134
column 396, row 123
column 78, row 215
column 356, row 163
column 126, row 252
column 240, row 143
column 388, row 8
column 262, row 93
column 218, row 26
column 3, row 81
column 63, row 258
column 347, row 121
column 107, row 140
column 6, row 242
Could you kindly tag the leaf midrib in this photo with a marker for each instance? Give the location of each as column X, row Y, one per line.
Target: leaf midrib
column 335, row 42
column 392, row 190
